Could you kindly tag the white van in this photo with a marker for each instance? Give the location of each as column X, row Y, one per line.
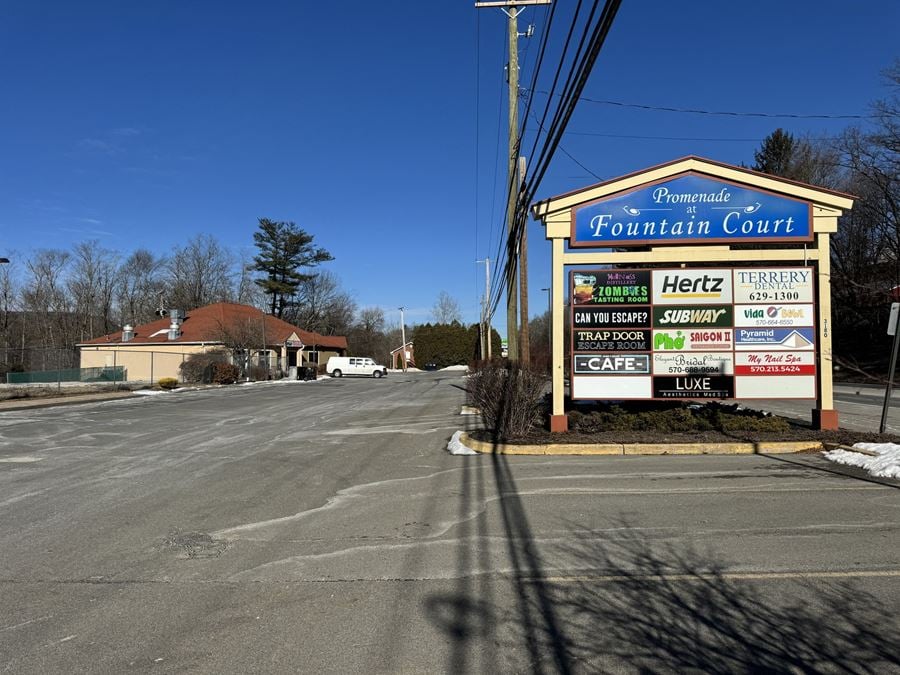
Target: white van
column 338, row 366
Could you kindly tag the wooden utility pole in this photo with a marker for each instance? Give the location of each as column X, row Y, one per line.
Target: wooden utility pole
column 510, row 8
column 512, row 76
column 524, row 339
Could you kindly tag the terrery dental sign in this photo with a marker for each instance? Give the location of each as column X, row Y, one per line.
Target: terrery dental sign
column 690, row 209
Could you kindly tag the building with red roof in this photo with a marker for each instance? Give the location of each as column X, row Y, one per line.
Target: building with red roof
column 157, row 349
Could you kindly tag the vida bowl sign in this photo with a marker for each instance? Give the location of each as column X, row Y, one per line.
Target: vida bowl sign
column 690, row 209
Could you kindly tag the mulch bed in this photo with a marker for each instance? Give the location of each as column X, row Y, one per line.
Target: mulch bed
column 795, row 433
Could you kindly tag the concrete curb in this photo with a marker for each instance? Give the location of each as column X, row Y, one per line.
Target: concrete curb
column 621, row 449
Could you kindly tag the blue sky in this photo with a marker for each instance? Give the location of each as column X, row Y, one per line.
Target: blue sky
column 143, row 124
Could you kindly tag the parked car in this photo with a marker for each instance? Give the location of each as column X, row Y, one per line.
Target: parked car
column 338, row 366
column 430, row 366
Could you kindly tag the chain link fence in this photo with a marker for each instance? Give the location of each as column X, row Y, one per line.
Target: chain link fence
column 101, row 364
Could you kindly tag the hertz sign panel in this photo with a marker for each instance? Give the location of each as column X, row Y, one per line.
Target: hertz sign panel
column 693, row 333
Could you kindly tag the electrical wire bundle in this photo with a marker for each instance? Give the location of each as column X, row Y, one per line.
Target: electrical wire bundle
column 580, row 62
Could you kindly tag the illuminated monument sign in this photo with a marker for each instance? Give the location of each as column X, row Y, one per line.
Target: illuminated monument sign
column 692, row 279
column 690, row 209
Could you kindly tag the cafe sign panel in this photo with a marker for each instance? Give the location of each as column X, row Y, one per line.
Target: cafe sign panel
column 691, row 209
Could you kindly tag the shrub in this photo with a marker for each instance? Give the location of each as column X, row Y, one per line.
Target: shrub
column 509, row 398
column 167, row 383
column 259, row 373
column 193, row 368
column 225, row 373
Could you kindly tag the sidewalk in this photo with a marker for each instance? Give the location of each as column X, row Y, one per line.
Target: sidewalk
column 69, row 399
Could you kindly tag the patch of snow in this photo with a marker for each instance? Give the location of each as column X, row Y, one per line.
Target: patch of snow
column 456, row 447
column 149, row 392
column 456, row 368
column 885, row 465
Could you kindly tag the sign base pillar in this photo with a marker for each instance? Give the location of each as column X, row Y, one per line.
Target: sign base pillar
column 559, row 423
column 824, row 420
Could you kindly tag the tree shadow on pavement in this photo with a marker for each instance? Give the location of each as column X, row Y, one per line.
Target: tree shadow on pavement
column 618, row 599
column 659, row 607
column 622, row 600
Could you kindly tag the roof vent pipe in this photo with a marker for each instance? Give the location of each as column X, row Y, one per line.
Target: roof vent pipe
column 127, row 333
column 174, row 331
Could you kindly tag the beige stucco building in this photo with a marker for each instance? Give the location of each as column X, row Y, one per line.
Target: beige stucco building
column 157, row 349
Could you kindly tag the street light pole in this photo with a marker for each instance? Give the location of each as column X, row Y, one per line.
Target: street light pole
column 485, row 310
column 403, row 338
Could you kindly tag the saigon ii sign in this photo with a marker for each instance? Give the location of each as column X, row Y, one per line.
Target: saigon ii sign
column 690, row 209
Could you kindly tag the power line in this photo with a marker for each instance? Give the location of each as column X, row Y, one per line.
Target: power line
column 500, row 271
column 582, row 63
column 680, row 138
column 512, row 239
column 728, row 113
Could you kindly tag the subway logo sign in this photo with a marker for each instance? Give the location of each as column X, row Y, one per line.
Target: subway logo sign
column 687, row 316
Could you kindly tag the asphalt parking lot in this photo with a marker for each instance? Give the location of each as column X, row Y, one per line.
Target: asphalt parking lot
column 323, row 527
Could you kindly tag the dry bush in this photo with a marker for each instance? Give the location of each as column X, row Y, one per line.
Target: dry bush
column 225, row 373
column 194, row 367
column 509, row 398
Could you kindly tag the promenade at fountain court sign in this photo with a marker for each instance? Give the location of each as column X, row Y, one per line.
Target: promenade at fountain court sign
column 691, row 209
column 665, row 299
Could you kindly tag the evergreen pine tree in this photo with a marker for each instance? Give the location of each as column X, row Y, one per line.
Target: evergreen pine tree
column 283, row 250
column 776, row 154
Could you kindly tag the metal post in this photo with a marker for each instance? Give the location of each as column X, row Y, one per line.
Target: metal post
column 403, row 338
column 151, row 369
column 890, row 383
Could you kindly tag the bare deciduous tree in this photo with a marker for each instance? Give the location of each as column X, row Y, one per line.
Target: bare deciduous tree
column 200, row 273
column 367, row 337
column 91, row 284
column 45, row 299
column 140, row 287
column 446, row 309
column 320, row 306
